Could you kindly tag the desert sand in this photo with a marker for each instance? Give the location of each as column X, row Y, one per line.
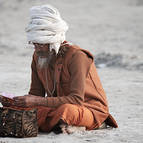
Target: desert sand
column 112, row 30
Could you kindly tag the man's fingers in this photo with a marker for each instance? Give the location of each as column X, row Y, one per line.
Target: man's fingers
column 16, row 101
column 28, row 95
column 18, row 97
column 6, row 104
column 19, row 104
column 19, row 101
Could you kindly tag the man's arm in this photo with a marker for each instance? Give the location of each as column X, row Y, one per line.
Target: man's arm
column 78, row 67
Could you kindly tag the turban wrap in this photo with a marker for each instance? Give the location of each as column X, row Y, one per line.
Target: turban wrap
column 46, row 26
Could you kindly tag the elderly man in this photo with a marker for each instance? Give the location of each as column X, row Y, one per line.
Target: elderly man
column 65, row 87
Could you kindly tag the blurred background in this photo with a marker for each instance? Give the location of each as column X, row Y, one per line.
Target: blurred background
column 112, row 30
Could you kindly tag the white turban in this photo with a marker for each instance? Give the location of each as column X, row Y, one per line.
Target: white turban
column 46, row 26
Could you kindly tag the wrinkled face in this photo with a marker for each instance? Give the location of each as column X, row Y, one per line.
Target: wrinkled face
column 45, row 56
column 42, row 50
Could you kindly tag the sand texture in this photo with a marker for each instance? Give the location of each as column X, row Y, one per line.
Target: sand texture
column 112, row 30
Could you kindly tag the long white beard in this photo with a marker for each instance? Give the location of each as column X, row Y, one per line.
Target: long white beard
column 43, row 62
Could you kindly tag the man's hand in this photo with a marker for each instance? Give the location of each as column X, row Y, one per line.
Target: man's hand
column 27, row 101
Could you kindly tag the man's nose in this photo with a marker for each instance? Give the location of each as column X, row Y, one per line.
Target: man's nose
column 37, row 48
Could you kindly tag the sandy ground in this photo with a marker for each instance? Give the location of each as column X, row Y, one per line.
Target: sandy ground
column 112, row 30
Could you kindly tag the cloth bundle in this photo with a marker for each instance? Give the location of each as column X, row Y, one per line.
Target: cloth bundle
column 46, row 26
column 18, row 123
